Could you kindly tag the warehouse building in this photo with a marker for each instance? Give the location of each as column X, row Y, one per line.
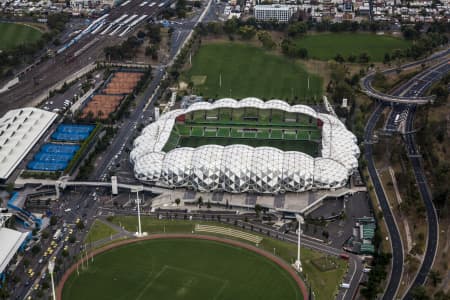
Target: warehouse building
column 20, row 130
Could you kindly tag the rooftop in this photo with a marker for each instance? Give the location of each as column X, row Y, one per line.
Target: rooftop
column 11, row 242
column 20, row 129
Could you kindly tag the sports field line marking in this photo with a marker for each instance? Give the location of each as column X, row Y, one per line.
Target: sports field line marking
column 222, row 288
column 149, row 284
column 223, row 281
column 197, row 273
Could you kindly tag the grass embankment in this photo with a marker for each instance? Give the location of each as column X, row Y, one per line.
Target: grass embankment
column 323, row 283
column 238, row 70
column 99, row 231
column 326, row 46
column 12, row 35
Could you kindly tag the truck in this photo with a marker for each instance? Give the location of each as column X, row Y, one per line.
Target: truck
column 57, row 234
column 345, row 285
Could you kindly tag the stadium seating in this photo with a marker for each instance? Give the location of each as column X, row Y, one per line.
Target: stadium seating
column 229, row 232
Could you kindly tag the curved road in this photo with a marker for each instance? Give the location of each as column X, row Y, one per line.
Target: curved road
column 433, row 221
column 413, row 90
column 396, row 241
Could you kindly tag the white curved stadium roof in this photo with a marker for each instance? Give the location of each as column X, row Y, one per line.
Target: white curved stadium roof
column 240, row 168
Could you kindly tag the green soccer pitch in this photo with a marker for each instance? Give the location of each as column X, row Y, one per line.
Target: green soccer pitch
column 12, row 35
column 326, row 46
column 169, row 269
column 237, row 70
column 247, row 126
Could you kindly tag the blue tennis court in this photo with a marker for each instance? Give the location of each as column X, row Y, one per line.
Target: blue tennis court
column 72, row 132
column 53, row 157
column 49, row 157
column 46, row 166
column 59, row 148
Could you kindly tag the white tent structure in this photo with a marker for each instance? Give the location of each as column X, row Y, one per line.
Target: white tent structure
column 240, row 168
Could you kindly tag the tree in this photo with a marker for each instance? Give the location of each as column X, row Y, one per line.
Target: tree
column 80, row 225
column 387, row 58
column 247, row 32
column 419, row 293
column 45, row 234
column 364, row 58
column 435, row 277
column 266, row 40
column 35, row 249
column 339, row 58
column 200, row 201
column 26, row 262
column 72, row 239
column 154, row 33
column 297, row 29
column 258, row 209
column 231, row 25
column 53, row 220
column 177, row 201
column 10, row 188
column 141, row 34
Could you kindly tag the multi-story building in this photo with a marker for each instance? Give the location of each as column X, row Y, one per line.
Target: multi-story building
column 280, row 13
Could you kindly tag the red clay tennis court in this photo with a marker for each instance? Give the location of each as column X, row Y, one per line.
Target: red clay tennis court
column 122, row 83
column 101, row 105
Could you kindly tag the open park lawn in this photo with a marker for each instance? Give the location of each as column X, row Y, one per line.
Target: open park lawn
column 12, row 35
column 238, row 70
column 181, row 269
column 326, row 46
column 99, row 231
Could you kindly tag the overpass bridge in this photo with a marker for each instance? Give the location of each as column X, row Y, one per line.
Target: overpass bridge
column 413, row 88
column 62, row 184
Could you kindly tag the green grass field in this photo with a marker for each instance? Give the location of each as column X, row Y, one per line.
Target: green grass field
column 99, row 231
column 248, row 71
column 307, row 147
column 181, row 269
column 326, row 46
column 12, row 35
column 324, row 284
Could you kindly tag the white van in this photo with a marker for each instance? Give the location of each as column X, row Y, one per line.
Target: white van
column 345, row 285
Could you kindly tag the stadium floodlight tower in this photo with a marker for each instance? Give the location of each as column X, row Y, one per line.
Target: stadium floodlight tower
column 298, row 263
column 51, row 268
column 137, row 190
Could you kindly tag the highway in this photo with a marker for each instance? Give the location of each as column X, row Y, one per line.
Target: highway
column 403, row 97
column 405, row 110
column 394, row 235
column 432, row 218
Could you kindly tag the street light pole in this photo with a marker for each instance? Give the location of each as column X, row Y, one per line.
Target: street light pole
column 51, row 268
column 139, row 233
column 298, row 263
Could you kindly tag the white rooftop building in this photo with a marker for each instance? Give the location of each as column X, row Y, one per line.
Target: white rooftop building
column 10, row 242
column 20, row 129
column 274, row 12
column 240, row 168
